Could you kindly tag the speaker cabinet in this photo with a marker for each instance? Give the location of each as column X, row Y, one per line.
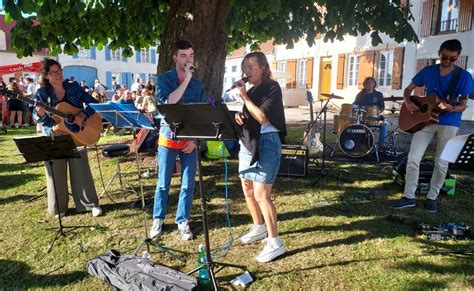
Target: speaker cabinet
column 294, row 161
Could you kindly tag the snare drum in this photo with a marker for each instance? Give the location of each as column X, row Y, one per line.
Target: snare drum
column 371, row 111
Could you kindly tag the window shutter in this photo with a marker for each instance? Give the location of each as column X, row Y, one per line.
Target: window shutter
column 143, row 76
column 291, row 68
column 129, row 80
column 274, row 65
column 138, row 56
column 426, row 17
column 153, row 56
column 465, row 15
column 461, row 62
column 341, row 61
column 309, row 73
column 108, row 57
column 92, row 52
column 397, row 72
column 75, row 56
column 123, row 79
column 366, row 67
column 420, row 64
column 108, row 79
column 124, row 59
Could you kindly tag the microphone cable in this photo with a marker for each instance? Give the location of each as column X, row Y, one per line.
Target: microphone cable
column 224, row 249
column 100, row 174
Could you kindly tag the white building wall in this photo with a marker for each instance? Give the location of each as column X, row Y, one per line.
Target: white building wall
column 102, row 65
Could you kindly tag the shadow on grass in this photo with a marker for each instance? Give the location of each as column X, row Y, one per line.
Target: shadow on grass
column 459, row 266
column 11, row 168
column 15, row 198
column 17, row 275
column 14, row 181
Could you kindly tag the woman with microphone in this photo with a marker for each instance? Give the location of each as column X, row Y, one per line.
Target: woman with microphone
column 264, row 129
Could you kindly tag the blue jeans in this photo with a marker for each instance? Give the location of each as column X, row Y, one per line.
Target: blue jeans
column 166, row 161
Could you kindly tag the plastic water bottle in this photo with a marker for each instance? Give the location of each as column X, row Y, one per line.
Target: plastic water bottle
column 203, row 273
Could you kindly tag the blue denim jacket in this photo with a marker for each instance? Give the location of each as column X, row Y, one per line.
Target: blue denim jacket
column 166, row 83
column 75, row 95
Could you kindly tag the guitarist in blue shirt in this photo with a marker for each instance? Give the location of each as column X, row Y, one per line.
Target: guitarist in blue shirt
column 448, row 82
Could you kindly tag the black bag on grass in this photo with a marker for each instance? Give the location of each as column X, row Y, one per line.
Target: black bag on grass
column 127, row 272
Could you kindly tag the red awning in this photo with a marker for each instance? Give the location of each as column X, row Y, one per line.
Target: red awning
column 11, row 69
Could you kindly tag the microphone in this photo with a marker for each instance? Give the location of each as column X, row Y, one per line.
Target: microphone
column 191, row 67
column 245, row 79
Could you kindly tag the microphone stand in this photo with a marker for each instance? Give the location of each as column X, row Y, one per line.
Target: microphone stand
column 322, row 114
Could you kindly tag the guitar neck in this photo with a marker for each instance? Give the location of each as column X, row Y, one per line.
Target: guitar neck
column 46, row 107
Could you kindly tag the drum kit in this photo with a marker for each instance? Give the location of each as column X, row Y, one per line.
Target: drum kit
column 355, row 126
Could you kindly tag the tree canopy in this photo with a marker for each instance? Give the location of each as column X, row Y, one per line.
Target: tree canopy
column 214, row 26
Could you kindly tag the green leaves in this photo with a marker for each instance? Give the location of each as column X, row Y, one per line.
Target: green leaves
column 127, row 23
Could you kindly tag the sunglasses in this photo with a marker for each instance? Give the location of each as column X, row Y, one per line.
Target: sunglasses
column 451, row 59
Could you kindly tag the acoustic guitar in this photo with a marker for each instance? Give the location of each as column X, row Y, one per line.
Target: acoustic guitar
column 64, row 113
column 427, row 114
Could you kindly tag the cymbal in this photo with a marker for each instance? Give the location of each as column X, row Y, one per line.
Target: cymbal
column 393, row 109
column 331, row 96
column 393, row 98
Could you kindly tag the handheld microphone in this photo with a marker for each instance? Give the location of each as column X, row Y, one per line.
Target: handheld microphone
column 191, row 67
column 245, row 79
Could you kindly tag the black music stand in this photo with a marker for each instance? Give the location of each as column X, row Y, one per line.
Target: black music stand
column 205, row 122
column 48, row 149
column 128, row 116
column 465, row 159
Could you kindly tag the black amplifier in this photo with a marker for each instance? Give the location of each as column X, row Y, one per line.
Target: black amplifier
column 294, row 161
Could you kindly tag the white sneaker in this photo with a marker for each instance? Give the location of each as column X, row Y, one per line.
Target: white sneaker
column 62, row 214
column 156, row 227
column 257, row 232
column 185, row 231
column 270, row 252
column 17, row 125
column 96, row 211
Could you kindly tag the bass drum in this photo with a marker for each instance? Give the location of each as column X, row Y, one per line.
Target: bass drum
column 356, row 140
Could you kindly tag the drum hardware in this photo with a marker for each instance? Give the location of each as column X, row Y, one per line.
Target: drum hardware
column 393, row 98
column 391, row 141
column 358, row 113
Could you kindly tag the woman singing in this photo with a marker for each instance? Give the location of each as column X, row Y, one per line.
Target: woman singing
column 55, row 89
column 264, row 127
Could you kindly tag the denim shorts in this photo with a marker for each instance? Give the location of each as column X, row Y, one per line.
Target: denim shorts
column 266, row 168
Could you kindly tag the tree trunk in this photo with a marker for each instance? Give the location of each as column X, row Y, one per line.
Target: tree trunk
column 201, row 22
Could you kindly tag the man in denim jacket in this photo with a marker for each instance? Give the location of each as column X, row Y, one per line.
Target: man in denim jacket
column 176, row 86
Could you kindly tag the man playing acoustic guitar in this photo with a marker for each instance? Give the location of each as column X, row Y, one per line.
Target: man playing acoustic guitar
column 448, row 82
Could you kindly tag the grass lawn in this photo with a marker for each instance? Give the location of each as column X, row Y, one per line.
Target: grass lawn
column 338, row 228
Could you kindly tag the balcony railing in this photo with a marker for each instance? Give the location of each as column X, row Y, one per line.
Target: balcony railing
column 447, row 26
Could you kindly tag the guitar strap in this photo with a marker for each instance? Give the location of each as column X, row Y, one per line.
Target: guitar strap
column 453, row 82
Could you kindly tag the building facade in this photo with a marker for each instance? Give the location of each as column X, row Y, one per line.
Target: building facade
column 340, row 67
column 89, row 64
